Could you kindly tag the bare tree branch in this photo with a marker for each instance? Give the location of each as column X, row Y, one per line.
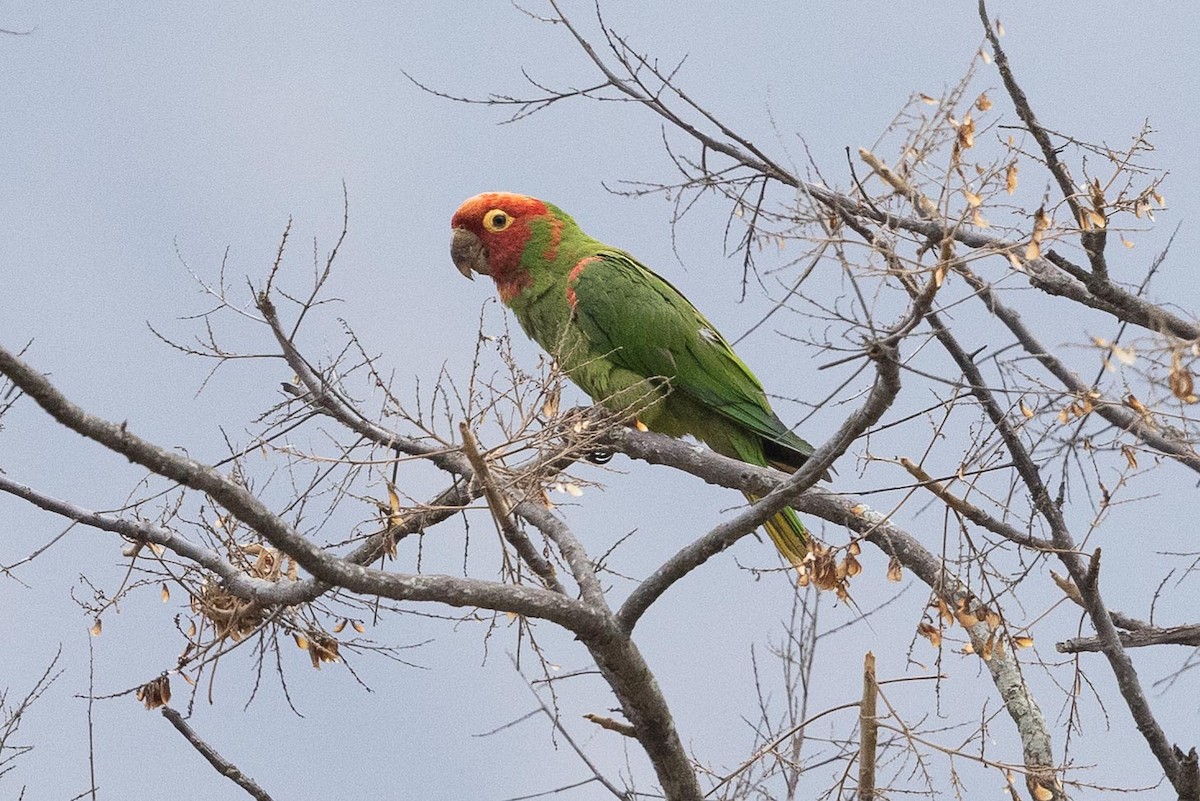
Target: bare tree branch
column 858, row 517
column 221, row 764
column 1140, row 638
column 249, row 509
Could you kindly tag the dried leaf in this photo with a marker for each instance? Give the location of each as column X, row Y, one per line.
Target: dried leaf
column 983, row 102
column 301, row 641
column 1124, row 355
column 395, row 519
column 944, row 611
column 97, row 627
column 929, row 101
column 979, row 220
column 931, row 633
column 1096, row 191
column 550, row 407
column 1023, row 641
column 1130, row 456
column 1180, row 379
column 166, row 592
column 1000, row 34
column 985, row 56
column 939, row 274
column 894, row 572
column 155, row 693
column 358, row 626
column 1010, row 178
column 1026, row 412
column 1126, row 242
column 341, row 624
column 973, row 199
column 993, row 619
column 191, row 630
column 322, row 648
column 966, row 133
column 1041, row 220
column 1068, row 587
column 1041, row 793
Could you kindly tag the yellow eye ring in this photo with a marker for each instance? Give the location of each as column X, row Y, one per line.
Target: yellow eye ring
column 497, row 220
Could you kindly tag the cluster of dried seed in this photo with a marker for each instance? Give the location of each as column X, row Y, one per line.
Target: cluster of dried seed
column 156, row 692
column 235, row 617
column 823, row 570
column 321, row 647
column 967, row 614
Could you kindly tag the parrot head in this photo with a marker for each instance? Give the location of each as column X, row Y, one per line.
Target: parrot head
column 492, row 232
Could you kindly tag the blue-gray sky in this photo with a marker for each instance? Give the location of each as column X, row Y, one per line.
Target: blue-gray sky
column 142, row 135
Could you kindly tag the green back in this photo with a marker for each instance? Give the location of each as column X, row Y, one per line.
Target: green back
column 626, row 318
column 650, row 328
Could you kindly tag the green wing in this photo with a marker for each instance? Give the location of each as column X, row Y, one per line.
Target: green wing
column 648, row 327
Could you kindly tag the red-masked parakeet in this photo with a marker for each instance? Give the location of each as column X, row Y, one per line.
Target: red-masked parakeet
column 625, row 336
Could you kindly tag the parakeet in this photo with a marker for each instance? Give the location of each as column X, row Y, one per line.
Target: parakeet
column 626, row 337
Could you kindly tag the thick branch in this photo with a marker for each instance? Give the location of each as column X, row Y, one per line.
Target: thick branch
column 883, row 392
column 642, row 702
column 1084, row 578
column 1139, row 638
column 856, row 516
column 572, row 550
column 331, row 570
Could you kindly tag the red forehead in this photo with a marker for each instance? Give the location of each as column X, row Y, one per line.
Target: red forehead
column 471, row 212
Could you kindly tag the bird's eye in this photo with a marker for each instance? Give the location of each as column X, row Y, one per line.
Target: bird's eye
column 496, row 220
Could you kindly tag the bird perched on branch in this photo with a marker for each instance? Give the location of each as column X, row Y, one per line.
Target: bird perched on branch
column 626, row 337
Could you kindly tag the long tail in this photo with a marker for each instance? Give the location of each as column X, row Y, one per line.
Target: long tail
column 788, row 533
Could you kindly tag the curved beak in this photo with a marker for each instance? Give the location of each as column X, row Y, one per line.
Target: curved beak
column 468, row 253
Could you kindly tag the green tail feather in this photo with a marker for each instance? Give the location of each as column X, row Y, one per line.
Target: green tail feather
column 788, row 533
